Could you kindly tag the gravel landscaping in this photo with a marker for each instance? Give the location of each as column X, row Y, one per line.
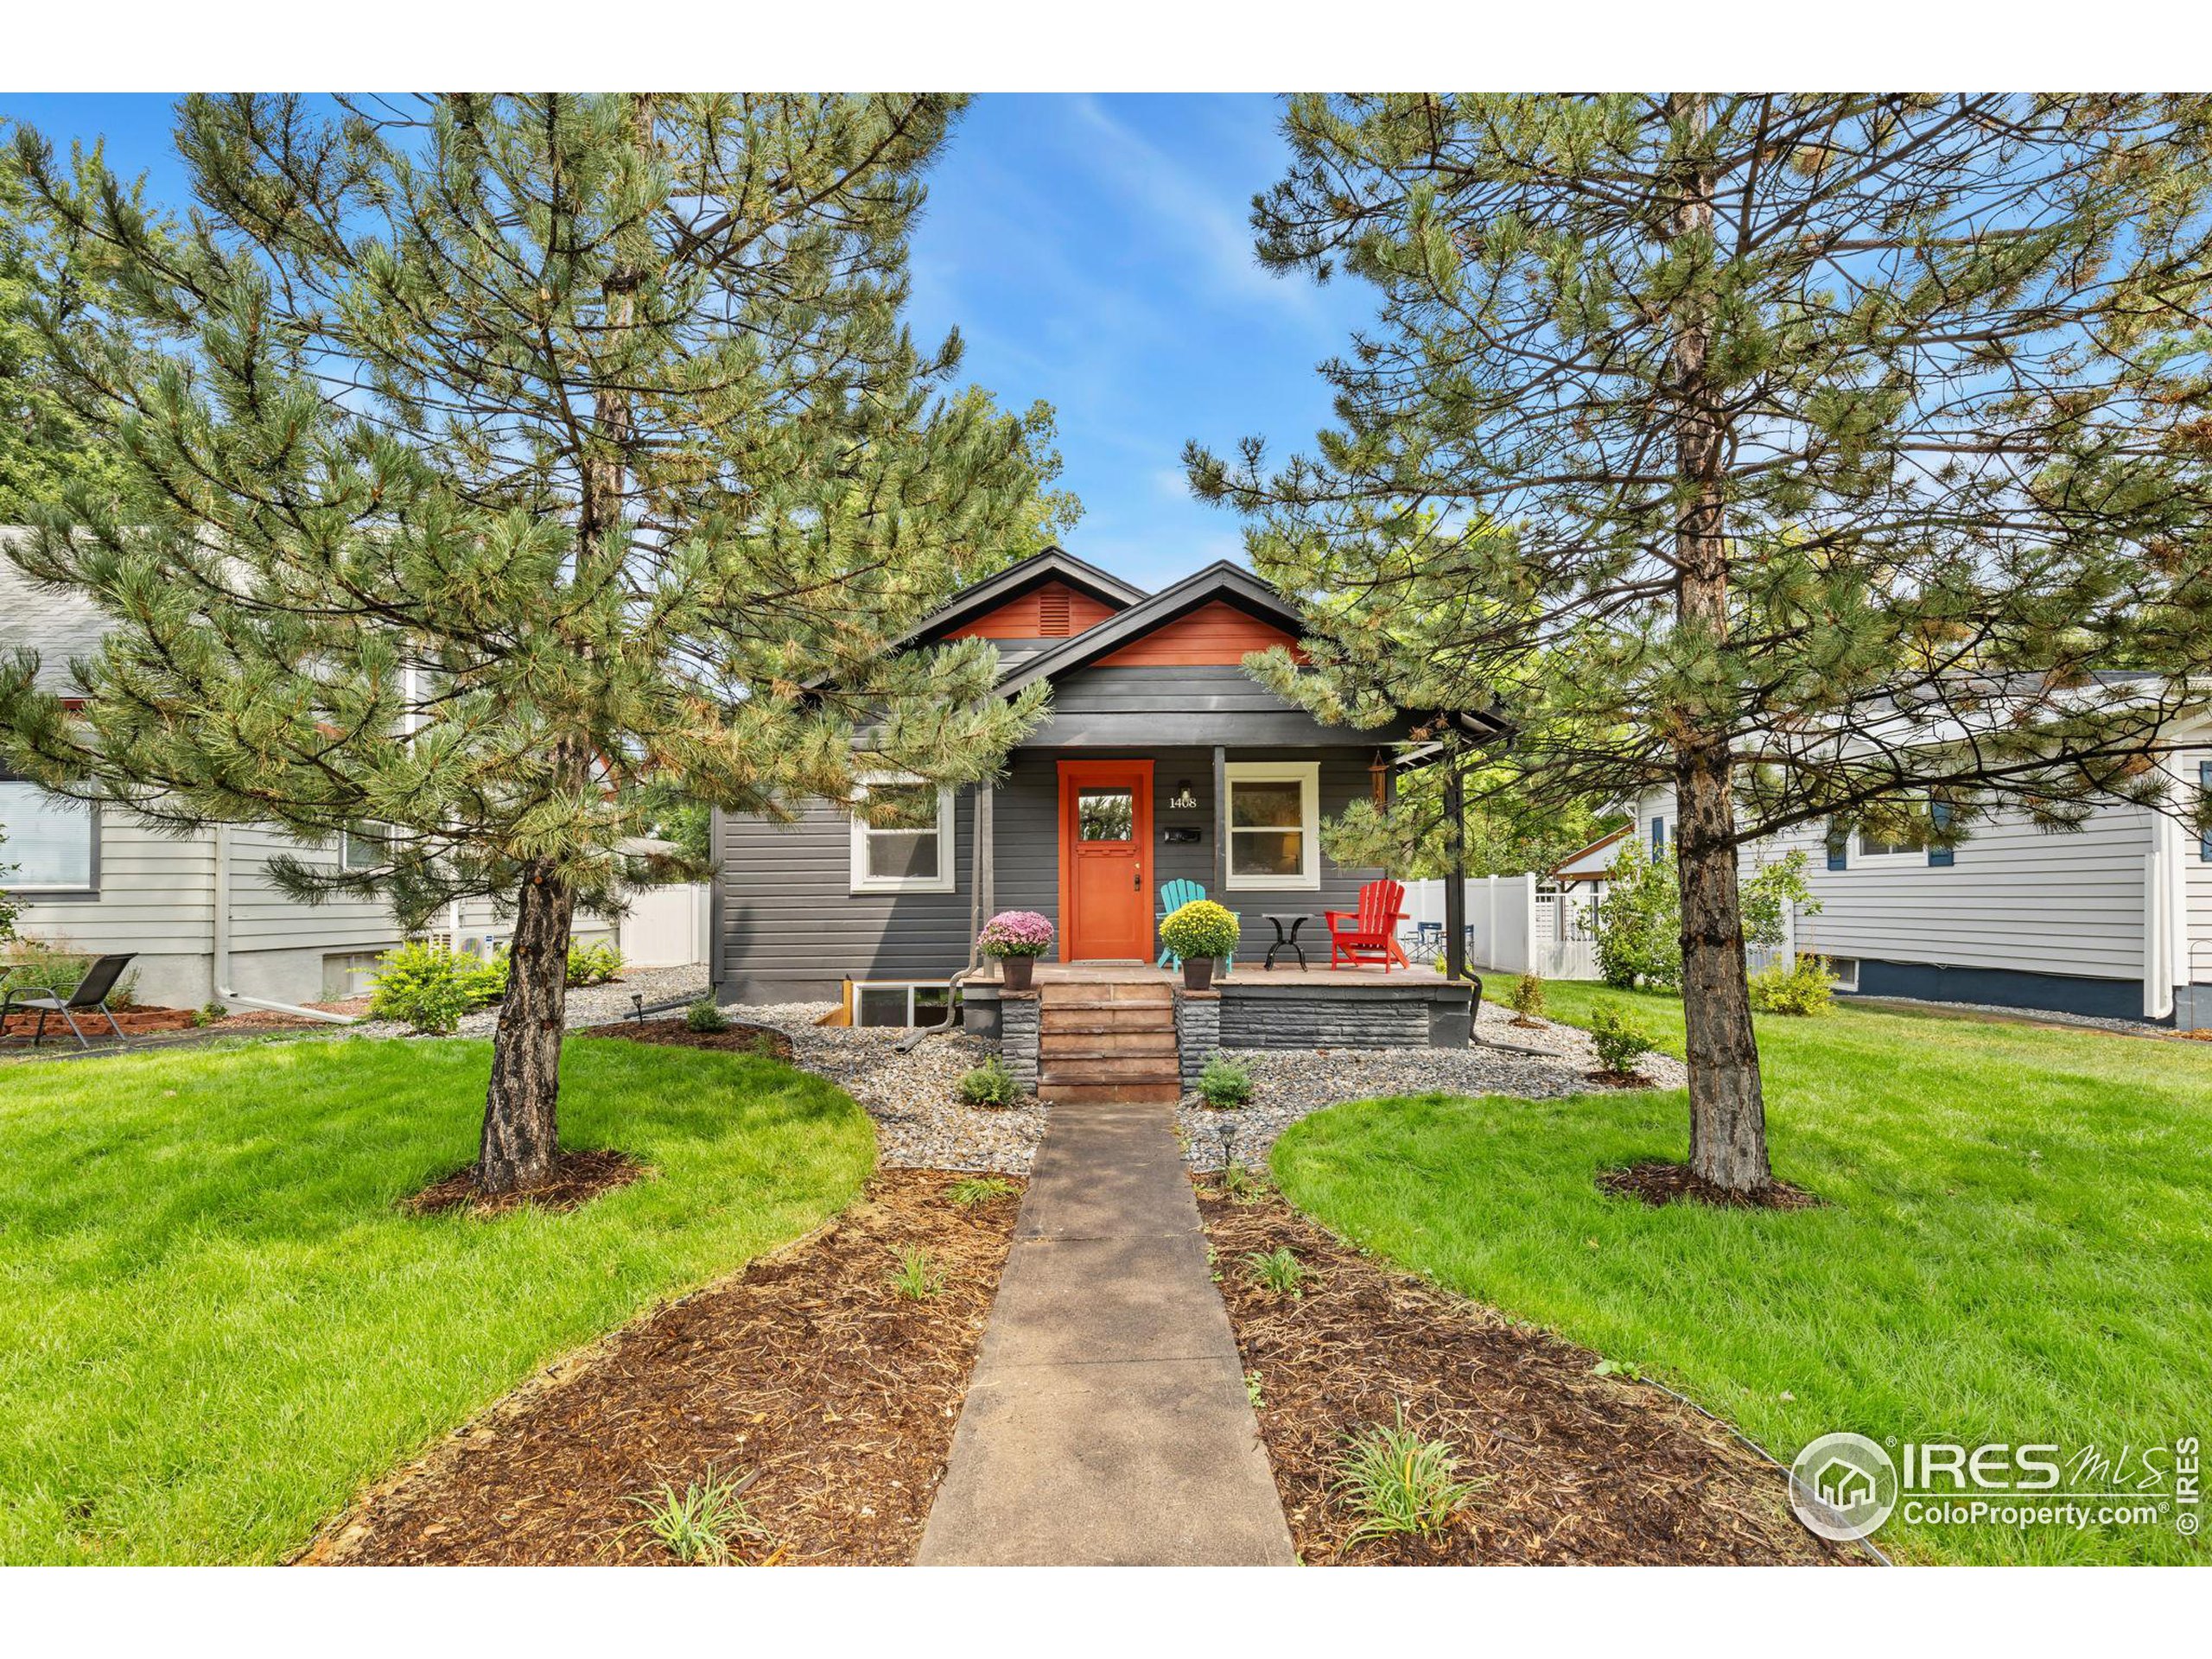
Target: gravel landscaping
column 920, row 1120
column 1291, row 1083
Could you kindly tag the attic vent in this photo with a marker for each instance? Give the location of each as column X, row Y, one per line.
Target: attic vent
column 1053, row 613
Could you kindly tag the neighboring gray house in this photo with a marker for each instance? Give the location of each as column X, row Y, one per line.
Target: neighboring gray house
column 1158, row 741
column 2114, row 919
column 200, row 911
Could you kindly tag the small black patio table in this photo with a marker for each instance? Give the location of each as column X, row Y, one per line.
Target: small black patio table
column 1297, row 919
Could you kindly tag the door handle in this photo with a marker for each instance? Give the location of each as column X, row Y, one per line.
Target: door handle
column 1136, row 878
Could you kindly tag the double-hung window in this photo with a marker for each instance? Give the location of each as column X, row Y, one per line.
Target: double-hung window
column 52, row 845
column 1275, row 823
column 902, row 836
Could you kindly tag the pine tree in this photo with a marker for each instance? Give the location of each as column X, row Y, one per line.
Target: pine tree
column 1810, row 455
column 519, row 452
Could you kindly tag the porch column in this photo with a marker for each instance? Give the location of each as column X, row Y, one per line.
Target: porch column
column 984, row 882
column 1455, row 877
column 1220, row 824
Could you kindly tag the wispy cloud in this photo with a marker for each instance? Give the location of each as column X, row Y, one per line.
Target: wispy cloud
column 1210, row 221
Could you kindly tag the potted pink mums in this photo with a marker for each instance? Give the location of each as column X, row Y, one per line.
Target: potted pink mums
column 1014, row 939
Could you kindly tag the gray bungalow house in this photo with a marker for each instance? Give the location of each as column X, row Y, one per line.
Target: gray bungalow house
column 1162, row 759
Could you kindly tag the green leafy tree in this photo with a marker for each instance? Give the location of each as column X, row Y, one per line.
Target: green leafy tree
column 519, row 450
column 42, row 443
column 1809, row 454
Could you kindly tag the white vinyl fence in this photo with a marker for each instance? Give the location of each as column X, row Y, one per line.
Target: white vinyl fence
column 667, row 927
column 1516, row 924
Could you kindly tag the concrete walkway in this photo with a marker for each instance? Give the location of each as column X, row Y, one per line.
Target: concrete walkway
column 1107, row 1423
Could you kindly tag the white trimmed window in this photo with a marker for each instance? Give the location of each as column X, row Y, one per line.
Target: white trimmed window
column 909, row 848
column 363, row 847
column 1275, row 823
column 52, row 843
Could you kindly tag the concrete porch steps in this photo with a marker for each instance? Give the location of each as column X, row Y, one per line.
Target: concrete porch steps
column 1106, row 1043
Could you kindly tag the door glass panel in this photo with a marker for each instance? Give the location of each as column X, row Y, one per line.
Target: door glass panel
column 1266, row 805
column 1105, row 815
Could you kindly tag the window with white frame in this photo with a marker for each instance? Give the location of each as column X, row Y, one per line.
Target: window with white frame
column 902, row 836
column 363, row 846
column 1275, row 823
column 53, row 844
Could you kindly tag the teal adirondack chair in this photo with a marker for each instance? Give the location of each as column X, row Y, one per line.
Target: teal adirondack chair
column 1173, row 897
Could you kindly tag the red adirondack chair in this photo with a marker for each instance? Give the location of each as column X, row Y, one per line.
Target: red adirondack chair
column 1368, row 934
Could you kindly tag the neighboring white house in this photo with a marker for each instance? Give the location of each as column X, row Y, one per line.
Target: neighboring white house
column 200, row 911
column 2112, row 920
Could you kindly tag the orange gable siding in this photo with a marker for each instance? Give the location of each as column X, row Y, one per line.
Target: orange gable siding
column 1052, row 611
column 1215, row 633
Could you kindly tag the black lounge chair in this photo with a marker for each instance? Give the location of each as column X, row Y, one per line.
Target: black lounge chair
column 92, row 992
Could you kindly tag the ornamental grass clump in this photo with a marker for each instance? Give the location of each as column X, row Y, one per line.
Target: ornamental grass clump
column 1395, row 1482
column 1201, row 928
column 1015, row 933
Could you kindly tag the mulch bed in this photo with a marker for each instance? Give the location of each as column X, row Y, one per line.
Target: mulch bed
column 1580, row 1468
column 805, row 1371
column 1658, row 1183
column 738, row 1040
column 1621, row 1079
column 134, row 1021
column 577, row 1179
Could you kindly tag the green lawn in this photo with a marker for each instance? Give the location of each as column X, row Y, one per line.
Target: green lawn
column 2017, row 1244
column 214, row 1326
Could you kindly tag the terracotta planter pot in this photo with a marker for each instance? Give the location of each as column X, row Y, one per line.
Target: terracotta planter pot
column 1017, row 970
column 1198, row 973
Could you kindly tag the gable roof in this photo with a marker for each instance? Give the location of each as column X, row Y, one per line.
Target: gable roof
column 1219, row 581
column 1565, row 870
column 1053, row 564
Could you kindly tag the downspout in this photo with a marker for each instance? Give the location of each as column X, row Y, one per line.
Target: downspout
column 222, row 945
column 981, row 879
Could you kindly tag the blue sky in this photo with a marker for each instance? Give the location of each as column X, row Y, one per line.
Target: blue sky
column 1093, row 251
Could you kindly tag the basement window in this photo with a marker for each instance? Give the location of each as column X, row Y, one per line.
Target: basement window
column 1843, row 973
column 894, row 1002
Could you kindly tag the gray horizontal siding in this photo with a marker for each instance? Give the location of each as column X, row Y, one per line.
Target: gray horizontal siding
column 787, row 918
column 1104, row 708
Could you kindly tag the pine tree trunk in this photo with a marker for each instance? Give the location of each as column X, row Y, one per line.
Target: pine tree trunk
column 1727, row 1108
column 520, row 1120
column 1727, row 1105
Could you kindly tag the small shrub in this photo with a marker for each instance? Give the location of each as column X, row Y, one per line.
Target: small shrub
column 1620, row 1038
column 1201, row 928
column 1803, row 988
column 1241, row 1183
column 1528, row 999
column 209, row 1014
column 706, row 1017
column 1395, row 1482
column 593, row 964
column 1640, row 925
column 1015, row 933
column 431, row 987
column 990, row 1084
column 1279, row 1271
column 918, row 1275
column 1225, row 1083
column 700, row 1525
column 976, row 1191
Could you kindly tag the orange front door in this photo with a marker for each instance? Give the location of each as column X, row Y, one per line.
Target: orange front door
column 1105, row 861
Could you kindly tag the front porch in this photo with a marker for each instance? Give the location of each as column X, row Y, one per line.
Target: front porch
column 1252, row 1008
